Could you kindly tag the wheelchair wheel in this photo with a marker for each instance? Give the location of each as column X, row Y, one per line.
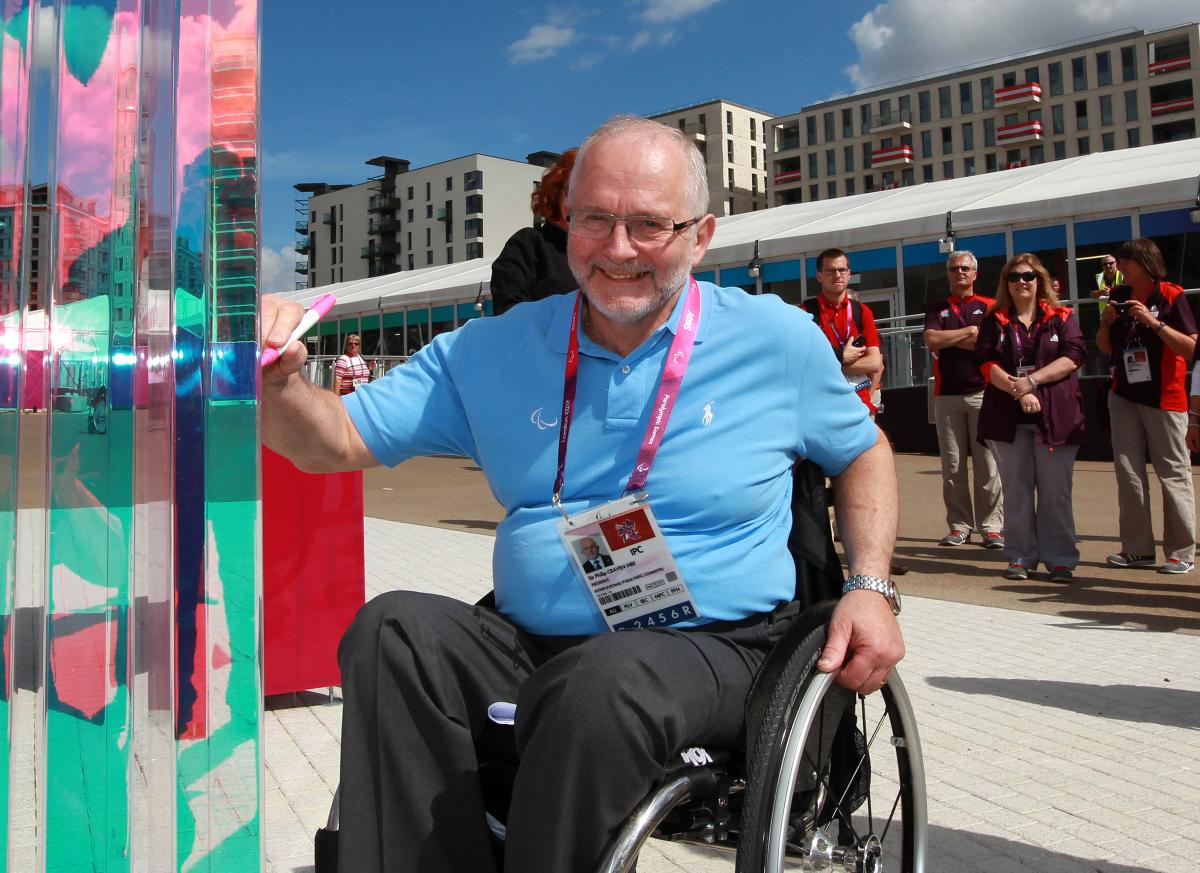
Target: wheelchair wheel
column 835, row 781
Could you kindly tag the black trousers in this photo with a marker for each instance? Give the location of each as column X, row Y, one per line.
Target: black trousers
column 598, row 718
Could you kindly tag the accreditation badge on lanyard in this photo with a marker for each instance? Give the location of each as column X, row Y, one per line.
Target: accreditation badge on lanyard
column 617, row 549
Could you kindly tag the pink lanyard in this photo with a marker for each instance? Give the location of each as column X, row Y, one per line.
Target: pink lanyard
column 849, row 324
column 668, row 390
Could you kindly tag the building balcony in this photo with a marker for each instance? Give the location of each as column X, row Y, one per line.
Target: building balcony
column 1016, row 165
column 1169, row 107
column 1029, row 94
column 302, row 246
column 383, row 203
column 444, row 214
column 327, row 218
column 1022, row 131
column 787, row 142
column 892, row 156
column 1170, row 65
column 695, row 132
column 893, row 122
column 387, row 224
column 788, row 176
column 302, row 267
column 379, row 248
column 302, row 227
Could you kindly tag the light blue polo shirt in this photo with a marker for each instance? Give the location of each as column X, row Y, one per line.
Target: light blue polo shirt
column 761, row 390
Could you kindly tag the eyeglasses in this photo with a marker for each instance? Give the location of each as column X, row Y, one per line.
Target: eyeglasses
column 960, row 268
column 640, row 228
column 1026, row 276
column 837, row 271
column 1108, row 263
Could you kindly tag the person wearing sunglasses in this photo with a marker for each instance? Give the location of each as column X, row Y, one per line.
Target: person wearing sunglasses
column 350, row 370
column 1028, row 350
column 951, row 327
column 1149, row 334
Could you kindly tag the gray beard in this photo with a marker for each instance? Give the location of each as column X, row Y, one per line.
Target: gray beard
column 665, row 287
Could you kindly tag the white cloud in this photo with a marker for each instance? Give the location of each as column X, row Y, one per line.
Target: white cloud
column 664, row 11
column 543, row 41
column 903, row 38
column 276, row 270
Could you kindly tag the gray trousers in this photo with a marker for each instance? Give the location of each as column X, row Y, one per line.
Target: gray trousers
column 1136, row 428
column 956, row 417
column 1039, row 522
column 597, row 720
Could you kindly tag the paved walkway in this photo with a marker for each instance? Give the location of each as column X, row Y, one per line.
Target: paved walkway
column 1051, row 743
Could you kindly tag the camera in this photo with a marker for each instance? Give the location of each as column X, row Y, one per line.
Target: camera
column 1121, row 307
column 859, row 341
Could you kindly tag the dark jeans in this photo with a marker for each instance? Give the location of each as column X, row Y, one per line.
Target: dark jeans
column 598, row 718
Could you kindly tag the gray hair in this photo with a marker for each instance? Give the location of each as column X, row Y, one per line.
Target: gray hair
column 696, row 195
column 963, row 255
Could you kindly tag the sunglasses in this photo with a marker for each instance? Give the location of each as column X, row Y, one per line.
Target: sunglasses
column 1026, row 276
column 961, row 268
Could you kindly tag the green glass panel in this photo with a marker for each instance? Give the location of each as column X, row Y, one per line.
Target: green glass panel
column 443, row 313
column 393, row 319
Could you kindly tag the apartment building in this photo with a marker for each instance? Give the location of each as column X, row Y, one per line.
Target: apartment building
column 733, row 140
column 1118, row 91
column 404, row 219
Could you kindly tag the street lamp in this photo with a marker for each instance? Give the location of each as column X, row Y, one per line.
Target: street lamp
column 754, row 270
column 479, row 301
column 946, row 243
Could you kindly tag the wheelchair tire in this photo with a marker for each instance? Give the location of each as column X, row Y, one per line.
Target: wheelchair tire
column 834, row 780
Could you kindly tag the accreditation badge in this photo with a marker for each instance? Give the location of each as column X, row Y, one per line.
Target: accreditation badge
column 620, row 553
column 1137, row 364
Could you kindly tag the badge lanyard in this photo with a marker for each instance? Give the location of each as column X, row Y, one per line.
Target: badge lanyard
column 849, row 324
column 668, row 390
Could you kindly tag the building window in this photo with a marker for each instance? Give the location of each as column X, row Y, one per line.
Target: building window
column 1108, row 141
column 429, row 210
column 428, row 237
column 924, row 108
column 1085, row 145
column 729, row 150
column 753, row 129
column 966, row 103
column 473, row 180
column 1033, row 74
column 1134, row 135
column 428, row 190
column 449, row 183
column 989, row 162
column 814, row 193
column 864, row 117
column 847, row 123
column 473, row 228
column 729, row 210
column 449, row 255
column 830, row 162
column 702, row 118
column 947, row 169
column 969, row 166
column 1037, row 154
column 474, row 204
column 866, row 155
column 1008, row 80
column 474, row 250
column 885, row 108
column 1131, row 106
column 409, row 241
column 682, row 124
column 410, row 216
column 1128, row 63
column 411, row 263
column 1056, row 119
column 754, row 157
column 1079, row 74
column 728, row 122
column 730, row 179
column 810, row 129
column 889, row 179
column 947, row 140
column 905, row 108
column 987, row 93
column 1106, row 113
column 1081, row 116
column 429, row 258
column 968, row 136
column 1060, row 150
column 1056, row 80
column 926, row 144
column 829, row 134
column 410, row 196
column 944, row 108
column 812, row 165
column 848, row 158
column 1103, row 69
column 1013, row 156
column 907, row 176
column 831, row 190
column 754, row 183
column 927, row 172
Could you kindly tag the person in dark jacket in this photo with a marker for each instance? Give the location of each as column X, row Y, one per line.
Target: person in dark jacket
column 1149, row 334
column 533, row 263
column 1027, row 351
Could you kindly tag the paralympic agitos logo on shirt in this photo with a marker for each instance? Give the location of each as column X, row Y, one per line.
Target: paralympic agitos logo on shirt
column 626, row 529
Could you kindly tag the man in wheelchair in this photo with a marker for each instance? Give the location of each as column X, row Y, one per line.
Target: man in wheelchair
column 658, row 416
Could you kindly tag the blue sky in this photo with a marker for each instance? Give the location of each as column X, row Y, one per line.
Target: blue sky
column 431, row 81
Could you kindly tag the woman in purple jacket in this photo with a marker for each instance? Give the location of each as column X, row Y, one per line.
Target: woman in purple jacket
column 1028, row 350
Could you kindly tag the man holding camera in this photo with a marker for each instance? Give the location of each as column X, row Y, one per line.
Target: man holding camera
column 848, row 325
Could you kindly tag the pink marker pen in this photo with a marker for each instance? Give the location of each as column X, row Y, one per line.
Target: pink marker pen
column 314, row 314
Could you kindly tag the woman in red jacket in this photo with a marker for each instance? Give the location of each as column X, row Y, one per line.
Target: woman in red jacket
column 1149, row 334
column 1028, row 350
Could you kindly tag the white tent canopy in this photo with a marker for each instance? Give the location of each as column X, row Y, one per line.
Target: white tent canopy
column 1147, row 178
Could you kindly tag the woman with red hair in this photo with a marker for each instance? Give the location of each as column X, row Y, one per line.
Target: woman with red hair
column 533, row 263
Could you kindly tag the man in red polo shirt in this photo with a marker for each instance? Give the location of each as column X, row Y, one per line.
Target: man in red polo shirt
column 951, row 325
column 848, row 325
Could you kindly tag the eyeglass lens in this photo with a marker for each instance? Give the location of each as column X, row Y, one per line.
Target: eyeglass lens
column 1027, row 276
column 960, row 268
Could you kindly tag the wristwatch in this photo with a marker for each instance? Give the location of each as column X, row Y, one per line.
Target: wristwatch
column 886, row 587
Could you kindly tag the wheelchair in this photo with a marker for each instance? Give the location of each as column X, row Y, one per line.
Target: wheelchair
column 827, row 780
